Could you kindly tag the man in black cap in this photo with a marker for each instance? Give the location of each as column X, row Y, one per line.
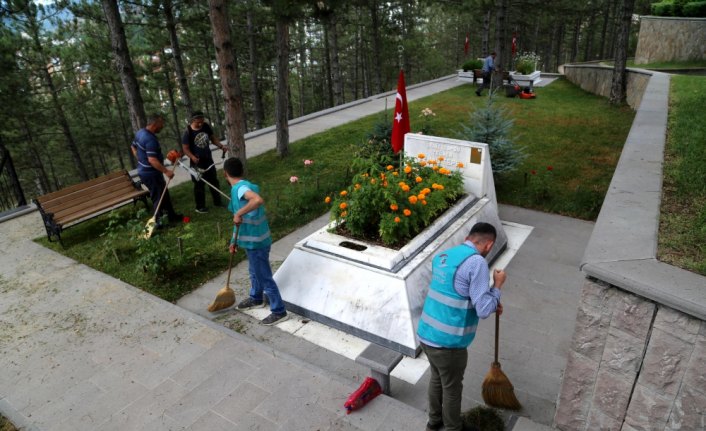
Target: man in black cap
column 196, row 145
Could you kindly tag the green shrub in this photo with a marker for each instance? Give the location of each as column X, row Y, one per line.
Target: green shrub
column 472, row 64
column 661, row 9
column 695, row 9
column 492, row 125
column 393, row 204
column 527, row 62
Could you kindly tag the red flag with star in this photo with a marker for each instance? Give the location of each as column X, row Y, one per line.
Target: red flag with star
column 400, row 122
column 466, row 45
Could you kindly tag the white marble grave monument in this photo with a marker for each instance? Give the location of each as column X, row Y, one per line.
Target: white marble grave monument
column 377, row 293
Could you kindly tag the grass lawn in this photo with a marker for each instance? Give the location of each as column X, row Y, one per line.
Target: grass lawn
column 579, row 135
column 682, row 232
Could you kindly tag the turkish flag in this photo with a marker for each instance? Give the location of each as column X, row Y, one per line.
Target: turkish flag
column 466, row 45
column 400, row 123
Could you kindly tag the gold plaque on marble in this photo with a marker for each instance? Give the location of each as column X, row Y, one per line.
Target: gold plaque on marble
column 475, row 155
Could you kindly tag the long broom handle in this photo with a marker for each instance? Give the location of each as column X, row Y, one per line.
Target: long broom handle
column 497, row 334
column 230, row 261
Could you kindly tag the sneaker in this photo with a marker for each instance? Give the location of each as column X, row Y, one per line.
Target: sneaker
column 275, row 318
column 249, row 303
column 202, row 210
column 436, row 427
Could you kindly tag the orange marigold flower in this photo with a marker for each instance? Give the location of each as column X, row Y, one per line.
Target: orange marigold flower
column 395, row 173
column 384, row 183
column 328, row 199
column 459, row 165
column 421, row 155
column 394, row 207
column 373, row 181
column 432, row 162
column 390, row 167
column 344, row 192
column 357, row 186
column 424, row 202
column 422, row 163
column 436, row 168
column 418, row 179
column 407, row 169
column 426, row 191
column 401, row 184
column 397, row 220
column 435, row 186
column 407, row 212
column 421, row 196
column 441, row 187
column 405, row 188
column 344, row 213
column 413, row 199
column 441, row 158
column 343, row 205
column 444, row 171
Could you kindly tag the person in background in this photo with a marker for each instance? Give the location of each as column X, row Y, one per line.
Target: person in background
column 459, row 294
column 195, row 143
column 488, row 67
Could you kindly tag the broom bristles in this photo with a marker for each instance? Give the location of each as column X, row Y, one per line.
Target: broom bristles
column 224, row 299
column 498, row 391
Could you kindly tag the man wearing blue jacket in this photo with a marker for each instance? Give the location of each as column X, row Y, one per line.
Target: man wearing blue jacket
column 488, row 67
column 459, row 294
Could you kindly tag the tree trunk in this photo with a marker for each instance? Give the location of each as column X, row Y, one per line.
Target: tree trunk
column 377, row 47
column 485, row 48
column 172, row 102
column 619, row 83
column 558, row 47
column 178, row 63
column 301, row 36
column 124, row 65
column 282, row 96
column 218, row 130
column 604, row 30
column 220, row 25
column 575, row 44
column 589, row 36
column 335, row 64
column 123, row 126
column 500, row 14
column 258, row 110
column 327, row 68
column 6, row 161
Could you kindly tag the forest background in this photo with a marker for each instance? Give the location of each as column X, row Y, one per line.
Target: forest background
column 70, row 110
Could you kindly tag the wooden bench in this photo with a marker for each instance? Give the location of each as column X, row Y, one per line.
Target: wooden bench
column 82, row 201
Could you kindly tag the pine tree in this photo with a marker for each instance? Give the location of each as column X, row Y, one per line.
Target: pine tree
column 492, row 125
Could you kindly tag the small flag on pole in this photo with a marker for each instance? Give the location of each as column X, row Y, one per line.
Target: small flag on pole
column 400, row 123
column 466, row 45
column 514, row 44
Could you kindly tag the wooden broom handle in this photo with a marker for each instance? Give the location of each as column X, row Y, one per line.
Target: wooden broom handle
column 497, row 334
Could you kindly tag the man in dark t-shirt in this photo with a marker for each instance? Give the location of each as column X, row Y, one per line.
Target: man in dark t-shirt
column 196, row 144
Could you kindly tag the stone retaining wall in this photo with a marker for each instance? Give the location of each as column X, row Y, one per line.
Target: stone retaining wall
column 633, row 365
column 638, row 355
column 671, row 39
column 597, row 79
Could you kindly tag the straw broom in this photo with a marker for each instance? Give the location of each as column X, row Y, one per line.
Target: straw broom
column 226, row 296
column 497, row 389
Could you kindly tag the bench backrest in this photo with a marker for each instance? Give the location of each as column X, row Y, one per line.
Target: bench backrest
column 89, row 193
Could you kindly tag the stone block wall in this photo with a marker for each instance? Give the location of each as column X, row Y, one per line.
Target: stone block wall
column 597, row 79
column 671, row 39
column 633, row 365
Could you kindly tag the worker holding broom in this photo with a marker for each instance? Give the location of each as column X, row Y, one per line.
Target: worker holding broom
column 459, row 294
column 253, row 234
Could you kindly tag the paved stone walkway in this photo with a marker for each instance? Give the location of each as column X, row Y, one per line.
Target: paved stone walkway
column 80, row 350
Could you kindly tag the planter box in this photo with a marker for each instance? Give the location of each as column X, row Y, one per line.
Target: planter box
column 526, row 80
column 377, row 293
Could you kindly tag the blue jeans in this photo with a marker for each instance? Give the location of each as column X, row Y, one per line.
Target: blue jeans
column 261, row 278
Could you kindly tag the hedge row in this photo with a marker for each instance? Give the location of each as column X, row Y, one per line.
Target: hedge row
column 679, row 8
